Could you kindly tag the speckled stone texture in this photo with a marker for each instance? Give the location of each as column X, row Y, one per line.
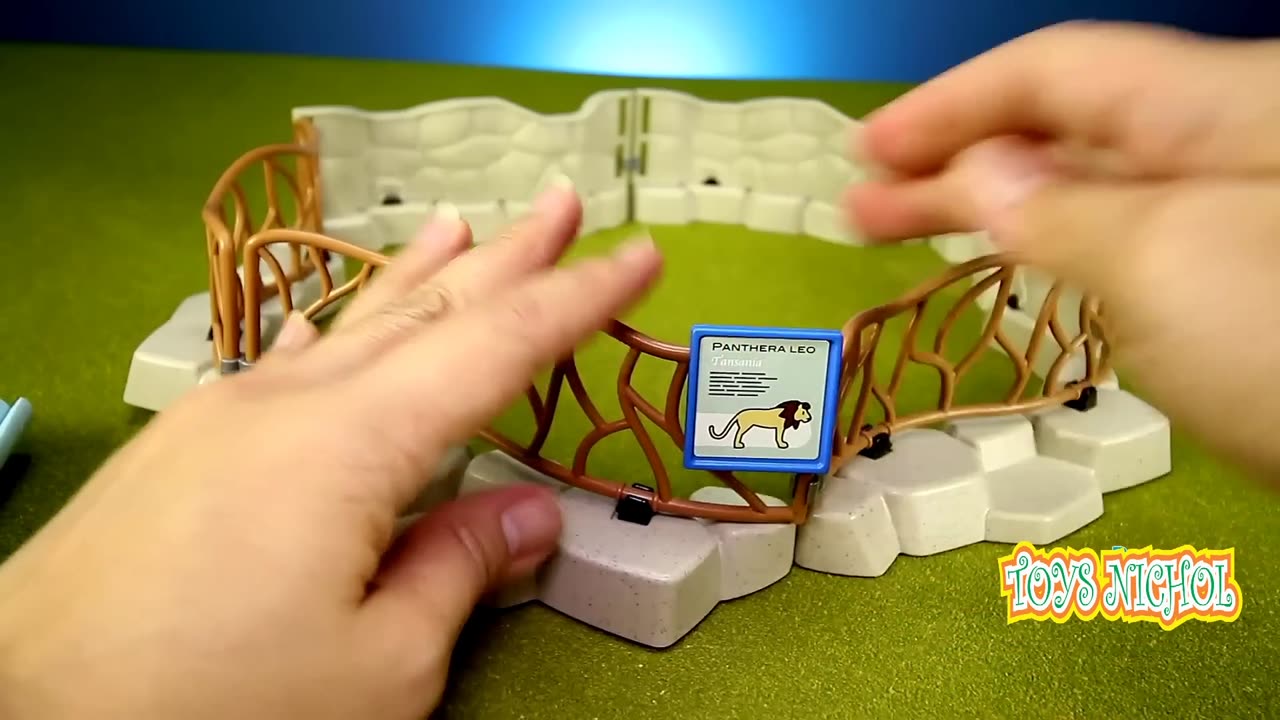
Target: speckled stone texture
column 934, row 487
column 651, row 584
column 753, row 556
column 1124, row 440
column 849, row 531
column 999, row 441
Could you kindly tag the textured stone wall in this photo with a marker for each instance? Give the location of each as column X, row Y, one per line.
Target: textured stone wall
column 646, row 155
column 486, row 156
column 776, row 164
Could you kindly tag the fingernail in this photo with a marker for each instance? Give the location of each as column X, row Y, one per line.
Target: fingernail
column 447, row 212
column 554, row 199
column 1004, row 176
column 297, row 329
column 560, row 181
column 445, row 222
column 531, row 525
column 639, row 251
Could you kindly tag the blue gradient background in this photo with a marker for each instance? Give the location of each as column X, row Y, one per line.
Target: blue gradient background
column 893, row 40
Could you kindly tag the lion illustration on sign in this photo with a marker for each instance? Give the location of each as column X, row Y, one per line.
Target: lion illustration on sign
column 784, row 416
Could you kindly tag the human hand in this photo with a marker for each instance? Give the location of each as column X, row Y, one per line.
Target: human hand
column 1139, row 164
column 236, row 559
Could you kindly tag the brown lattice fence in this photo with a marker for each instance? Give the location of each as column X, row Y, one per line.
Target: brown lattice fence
column 281, row 182
column 868, row 400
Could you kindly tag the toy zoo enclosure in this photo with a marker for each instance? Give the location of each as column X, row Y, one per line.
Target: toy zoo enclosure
column 287, row 233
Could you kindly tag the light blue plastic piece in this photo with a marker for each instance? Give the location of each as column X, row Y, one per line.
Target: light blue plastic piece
column 13, row 420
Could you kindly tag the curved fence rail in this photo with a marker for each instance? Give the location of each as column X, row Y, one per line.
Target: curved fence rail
column 863, row 390
column 869, row 403
column 288, row 196
column 543, row 402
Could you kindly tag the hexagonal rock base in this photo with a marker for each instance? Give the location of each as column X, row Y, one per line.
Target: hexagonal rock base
column 1123, row 439
column 934, row 488
column 651, row 584
column 647, row 583
column 1008, row 479
column 1041, row 500
column 1033, row 498
column 926, row 496
column 753, row 556
column 849, row 531
column 1002, row 479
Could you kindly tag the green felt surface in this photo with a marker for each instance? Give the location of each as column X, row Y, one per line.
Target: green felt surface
column 107, row 157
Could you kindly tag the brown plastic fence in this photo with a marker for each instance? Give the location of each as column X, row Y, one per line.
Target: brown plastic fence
column 229, row 222
column 861, row 389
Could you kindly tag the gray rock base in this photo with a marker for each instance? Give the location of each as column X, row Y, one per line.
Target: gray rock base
column 178, row 356
column 650, row 584
column 1007, row 479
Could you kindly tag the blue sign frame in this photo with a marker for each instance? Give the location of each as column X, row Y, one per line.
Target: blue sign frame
column 830, row 410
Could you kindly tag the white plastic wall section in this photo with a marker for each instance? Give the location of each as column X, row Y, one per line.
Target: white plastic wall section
column 641, row 155
column 486, row 156
column 772, row 164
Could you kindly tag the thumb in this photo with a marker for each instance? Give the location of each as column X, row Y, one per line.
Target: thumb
column 445, row 562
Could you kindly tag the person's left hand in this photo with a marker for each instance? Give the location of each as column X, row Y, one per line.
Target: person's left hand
column 238, row 558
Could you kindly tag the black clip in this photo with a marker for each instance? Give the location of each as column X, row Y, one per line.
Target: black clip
column 1087, row 400
column 635, row 508
column 880, row 445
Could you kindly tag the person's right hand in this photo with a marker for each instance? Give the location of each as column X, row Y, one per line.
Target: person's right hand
column 1139, row 164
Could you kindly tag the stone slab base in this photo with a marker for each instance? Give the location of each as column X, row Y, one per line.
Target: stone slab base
column 1005, row 479
column 178, row 355
column 1036, row 478
column 649, row 584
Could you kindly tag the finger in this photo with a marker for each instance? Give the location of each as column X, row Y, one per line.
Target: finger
column 535, row 242
column 1158, row 96
column 950, row 202
column 884, row 211
column 442, row 386
column 1092, row 234
column 437, row 243
column 297, row 334
column 448, row 560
